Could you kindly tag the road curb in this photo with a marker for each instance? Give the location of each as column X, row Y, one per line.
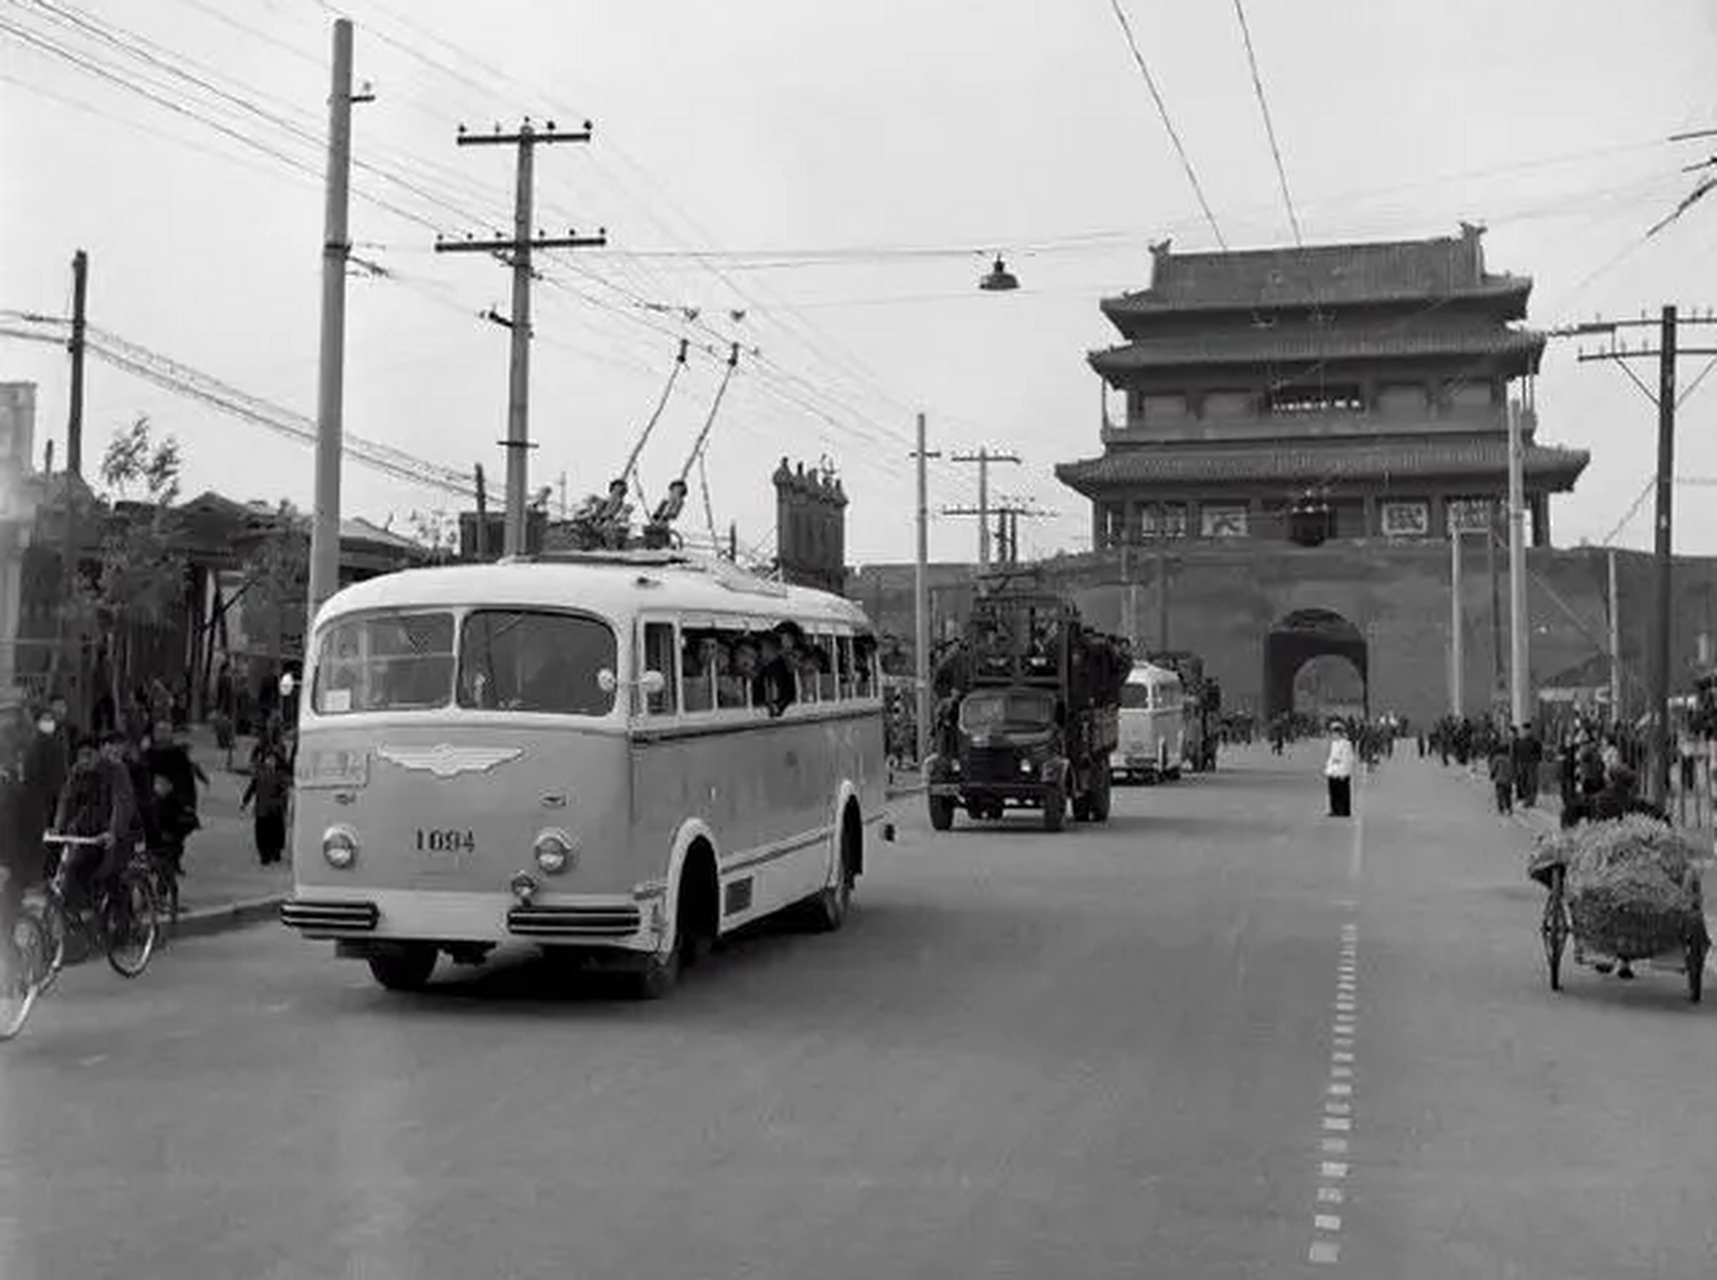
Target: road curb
column 204, row 921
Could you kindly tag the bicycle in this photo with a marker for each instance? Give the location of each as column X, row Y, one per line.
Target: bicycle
column 121, row 921
column 163, row 867
column 23, row 967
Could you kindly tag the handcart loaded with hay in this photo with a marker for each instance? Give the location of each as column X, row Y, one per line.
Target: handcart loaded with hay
column 1624, row 890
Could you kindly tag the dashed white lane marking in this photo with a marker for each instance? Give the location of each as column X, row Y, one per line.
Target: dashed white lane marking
column 92, row 1060
column 1337, row 1116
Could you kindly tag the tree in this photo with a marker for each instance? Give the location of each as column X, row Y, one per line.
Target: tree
column 438, row 530
column 277, row 582
column 141, row 578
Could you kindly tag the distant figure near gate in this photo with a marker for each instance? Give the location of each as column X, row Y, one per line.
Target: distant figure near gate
column 1338, row 771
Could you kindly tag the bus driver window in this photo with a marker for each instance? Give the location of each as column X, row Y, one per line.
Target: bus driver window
column 661, row 653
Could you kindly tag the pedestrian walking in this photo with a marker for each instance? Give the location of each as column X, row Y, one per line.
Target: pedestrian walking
column 266, row 794
column 1502, row 774
column 1338, row 772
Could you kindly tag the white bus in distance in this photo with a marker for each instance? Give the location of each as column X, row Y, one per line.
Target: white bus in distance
column 622, row 755
column 1152, row 726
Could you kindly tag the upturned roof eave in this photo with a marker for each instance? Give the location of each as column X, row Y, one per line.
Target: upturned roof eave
column 1558, row 473
column 1147, row 302
column 1116, row 362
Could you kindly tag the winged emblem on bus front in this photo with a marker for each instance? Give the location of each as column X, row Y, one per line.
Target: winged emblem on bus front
column 447, row 761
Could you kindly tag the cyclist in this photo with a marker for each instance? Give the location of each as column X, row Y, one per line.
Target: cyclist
column 171, row 801
column 97, row 801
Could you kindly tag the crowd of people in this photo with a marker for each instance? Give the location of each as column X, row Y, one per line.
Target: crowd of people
column 1597, row 766
column 128, row 782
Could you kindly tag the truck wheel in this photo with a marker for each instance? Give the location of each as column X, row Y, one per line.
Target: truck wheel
column 1082, row 808
column 1055, row 809
column 1101, row 796
column 941, row 813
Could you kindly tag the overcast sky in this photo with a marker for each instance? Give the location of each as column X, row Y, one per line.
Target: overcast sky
column 804, row 145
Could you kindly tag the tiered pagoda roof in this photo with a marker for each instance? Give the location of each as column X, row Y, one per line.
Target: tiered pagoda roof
column 1551, row 466
column 1359, row 274
column 1345, row 341
column 1320, row 341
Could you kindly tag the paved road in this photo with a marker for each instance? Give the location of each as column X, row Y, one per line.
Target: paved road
column 1132, row 1051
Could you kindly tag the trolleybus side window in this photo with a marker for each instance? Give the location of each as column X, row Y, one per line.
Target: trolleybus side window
column 864, row 660
column 802, row 662
column 661, row 653
column 697, row 657
column 384, row 662
column 844, row 666
column 824, row 653
column 516, row 660
column 740, row 666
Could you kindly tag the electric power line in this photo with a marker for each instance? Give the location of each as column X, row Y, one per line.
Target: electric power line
column 1168, row 124
column 1269, row 125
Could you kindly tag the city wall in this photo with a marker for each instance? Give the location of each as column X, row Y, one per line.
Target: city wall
column 1222, row 603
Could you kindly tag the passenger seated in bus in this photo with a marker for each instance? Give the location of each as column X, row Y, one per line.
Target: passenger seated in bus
column 695, row 660
column 735, row 671
column 773, row 687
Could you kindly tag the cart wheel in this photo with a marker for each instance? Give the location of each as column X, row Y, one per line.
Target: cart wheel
column 1696, row 969
column 1555, row 930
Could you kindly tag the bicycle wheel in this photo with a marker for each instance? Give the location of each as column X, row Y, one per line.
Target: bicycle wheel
column 22, row 971
column 129, row 925
column 55, row 931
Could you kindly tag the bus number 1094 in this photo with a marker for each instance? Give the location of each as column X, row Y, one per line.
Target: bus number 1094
column 445, row 841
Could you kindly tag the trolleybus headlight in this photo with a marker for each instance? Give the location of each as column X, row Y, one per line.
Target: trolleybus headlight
column 340, row 846
column 554, row 852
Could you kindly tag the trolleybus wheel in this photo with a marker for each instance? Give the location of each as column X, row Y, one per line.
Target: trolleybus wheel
column 941, row 813
column 404, row 966
column 829, row 908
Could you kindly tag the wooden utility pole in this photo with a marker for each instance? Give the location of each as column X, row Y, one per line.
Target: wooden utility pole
column 516, row 251
column 1457, row 630
column 1519, row 624
column 70, row 557
column 482, row 539
column 1007, row 515
column 983, row 457
column 921, row 598
column 74, row 419
column 331, row 376
column 1666, row 353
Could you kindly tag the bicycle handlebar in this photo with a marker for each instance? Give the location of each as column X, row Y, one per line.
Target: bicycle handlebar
column 56, row 837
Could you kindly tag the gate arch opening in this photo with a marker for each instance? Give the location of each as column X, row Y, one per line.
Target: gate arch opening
column 1297, row 639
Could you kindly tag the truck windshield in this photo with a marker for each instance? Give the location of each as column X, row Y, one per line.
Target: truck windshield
column 1136, row 696
column 1007, row 709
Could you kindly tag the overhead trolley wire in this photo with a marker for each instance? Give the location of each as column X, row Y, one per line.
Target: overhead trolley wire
column 1168, row 124
column 1269, row 125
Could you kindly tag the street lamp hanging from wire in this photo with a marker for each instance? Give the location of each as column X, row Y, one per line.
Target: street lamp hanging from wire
column 998, row 279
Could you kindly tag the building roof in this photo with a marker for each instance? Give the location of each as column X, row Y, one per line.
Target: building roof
column 613, row 584
column 1314, row 275
column 1294, row 466
column 1255, row 346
